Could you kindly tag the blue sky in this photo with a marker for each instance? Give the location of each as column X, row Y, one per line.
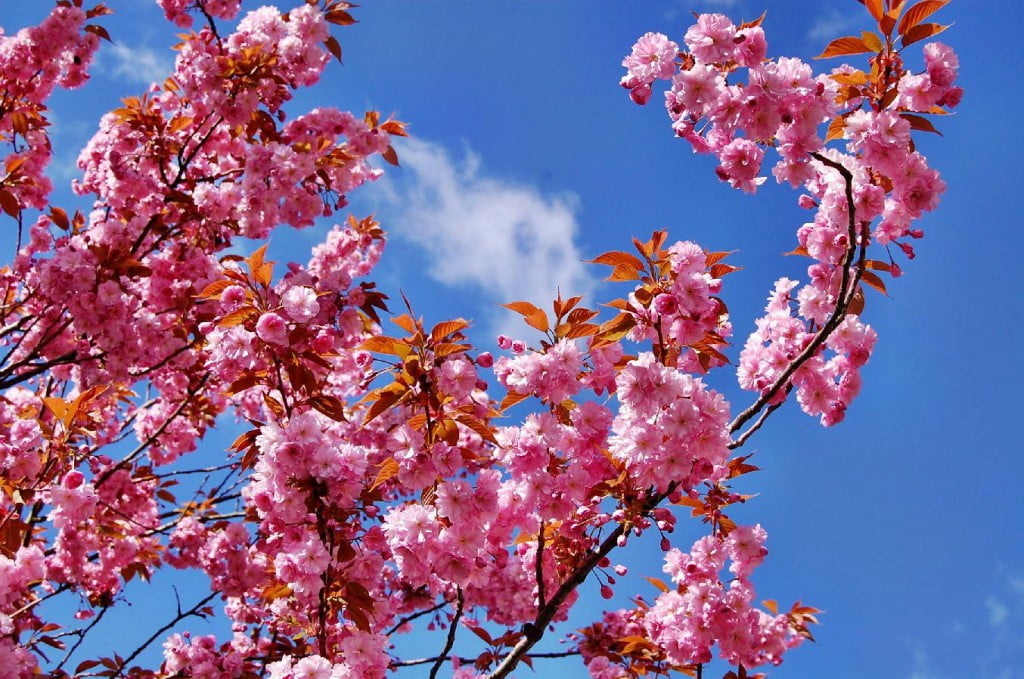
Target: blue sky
column 904, row 523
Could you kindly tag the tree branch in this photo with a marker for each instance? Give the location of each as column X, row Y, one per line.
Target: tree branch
column 194, row 611
column 451, row 636
column 846, row 288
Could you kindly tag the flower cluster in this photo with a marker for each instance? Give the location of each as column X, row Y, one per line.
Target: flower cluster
column 882, row 177
column 703, row 612
column 376, row 481
column 33, row 63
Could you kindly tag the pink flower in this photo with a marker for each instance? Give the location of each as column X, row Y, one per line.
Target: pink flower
column 711, row 39
column 652, row 58
column 942, row 63
column 272, row 328
column 300, row 303
column 752, row 48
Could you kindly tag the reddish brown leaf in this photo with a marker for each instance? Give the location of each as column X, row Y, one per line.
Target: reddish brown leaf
column 405, row 322
column 658, row 583
column 215, row 289
column 755, row 22
column 835, row 129
column 874, row 281
column 9, row 203
column 922, row 31
column 719, row 270
column 395, row 127
column 845, row 45
column 857, row 77
column 333, row 46
column 483, row 634
column 617, row 258
column 386, row 345
column 872, row 40
column 448, row 348
column 581, row 315
column 920, row 123
column 446, row 328
column 60, row 218
column 99, row 32
column 387, row 398
column 875, row 8
column 238, row 316
column 918, row 13
column 512, row 398
column 712, row 258
column 387, row 470
column 524, row 308
column 390, row 155
column 340, row 17
column 479, row 427
column 856, row 305
column 624, row 272
column 539, row 320
column 583, row 330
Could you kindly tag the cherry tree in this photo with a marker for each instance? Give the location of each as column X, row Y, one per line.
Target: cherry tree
column 380, row 481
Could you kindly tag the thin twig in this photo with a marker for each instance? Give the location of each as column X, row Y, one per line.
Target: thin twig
column 742, row 438
column 178, row 618
column 398, row 664
column 412, row 616
column 539, row 565
column 81, row 636
column 153, row 437
column 452, row 629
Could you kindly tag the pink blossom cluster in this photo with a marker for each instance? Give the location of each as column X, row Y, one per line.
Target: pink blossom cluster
column 178, row 10
column 686, row 310
column 33, row 62
column 670, row 427
column 88, row 514
column 687, row 622
column 603, row 637
column 202, row 657
column 825, row 386
column 357, row 509
column 365, row 655
column 781, row 101
column 784, row 105
column 552, row 376
column 934, row 87
column 20, row 439
column 17, row 575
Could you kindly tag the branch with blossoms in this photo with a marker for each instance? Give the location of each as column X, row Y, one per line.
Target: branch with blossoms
column 376, row 482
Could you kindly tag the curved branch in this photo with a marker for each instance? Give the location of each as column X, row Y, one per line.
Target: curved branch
column 533, row 632
column 846, row 288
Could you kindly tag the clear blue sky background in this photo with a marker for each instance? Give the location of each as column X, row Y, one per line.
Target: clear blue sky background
column 904, row 522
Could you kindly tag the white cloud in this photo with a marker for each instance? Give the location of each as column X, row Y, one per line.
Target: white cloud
column 833, row 25
column 922, row 666
column 135, row 64
column 508, row 240
column 997, row 611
